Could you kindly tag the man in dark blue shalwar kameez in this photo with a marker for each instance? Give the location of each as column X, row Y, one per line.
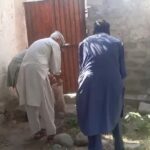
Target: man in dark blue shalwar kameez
column 100, row 91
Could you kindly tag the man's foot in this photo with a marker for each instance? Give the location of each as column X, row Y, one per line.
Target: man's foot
column 43, row 131
column 50, row 138
column 40, row 134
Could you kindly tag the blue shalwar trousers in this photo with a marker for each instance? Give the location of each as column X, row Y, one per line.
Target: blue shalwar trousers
column 95, row 142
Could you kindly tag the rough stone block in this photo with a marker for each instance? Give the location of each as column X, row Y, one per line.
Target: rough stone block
column 71, row 109
column 132, row 146
column 70, row 98
column 64, row 140
column 81, row 139
column 57, row 147
column 144, row 107
column 136, row 97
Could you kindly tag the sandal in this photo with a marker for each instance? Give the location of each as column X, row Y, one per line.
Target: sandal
column 43, row 131
column 40, row 134
column 50, row 138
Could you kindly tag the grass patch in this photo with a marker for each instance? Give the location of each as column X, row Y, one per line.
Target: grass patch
column 136, row 126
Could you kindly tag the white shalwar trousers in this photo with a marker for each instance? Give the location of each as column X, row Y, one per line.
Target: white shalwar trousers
column 42, row 117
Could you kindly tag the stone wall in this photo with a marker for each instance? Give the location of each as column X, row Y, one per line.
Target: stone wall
column 12, row 38
column 129, row 21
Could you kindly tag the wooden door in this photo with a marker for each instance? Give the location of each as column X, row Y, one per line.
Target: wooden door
column 67, row 16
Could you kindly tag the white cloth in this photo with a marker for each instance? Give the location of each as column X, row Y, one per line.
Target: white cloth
column 33, row 83
column 42, row 117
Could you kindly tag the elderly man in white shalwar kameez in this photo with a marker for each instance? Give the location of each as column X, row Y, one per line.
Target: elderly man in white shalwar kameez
column 42, row 60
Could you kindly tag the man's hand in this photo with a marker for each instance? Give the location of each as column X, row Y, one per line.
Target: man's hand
column 52, row 79
column 55, row 79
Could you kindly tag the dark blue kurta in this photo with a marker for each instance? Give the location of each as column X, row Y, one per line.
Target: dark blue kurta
column 99, row 96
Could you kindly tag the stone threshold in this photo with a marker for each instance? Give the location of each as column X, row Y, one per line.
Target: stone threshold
column 70, row 98
column 139, row 98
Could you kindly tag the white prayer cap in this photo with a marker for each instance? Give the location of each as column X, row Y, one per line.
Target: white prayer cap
column 58, row 35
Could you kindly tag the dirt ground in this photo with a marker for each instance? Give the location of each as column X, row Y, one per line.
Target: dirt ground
column 15, row 135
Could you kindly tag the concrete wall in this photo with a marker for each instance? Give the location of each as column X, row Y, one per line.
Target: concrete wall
column 129, row 21
column 12, row 37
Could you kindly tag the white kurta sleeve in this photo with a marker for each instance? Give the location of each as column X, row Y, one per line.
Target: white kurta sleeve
column 55, row 60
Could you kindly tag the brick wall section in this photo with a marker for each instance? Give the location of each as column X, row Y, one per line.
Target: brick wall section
column 130, row 21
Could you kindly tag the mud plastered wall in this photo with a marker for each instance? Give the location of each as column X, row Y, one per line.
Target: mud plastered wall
column 12, row 38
